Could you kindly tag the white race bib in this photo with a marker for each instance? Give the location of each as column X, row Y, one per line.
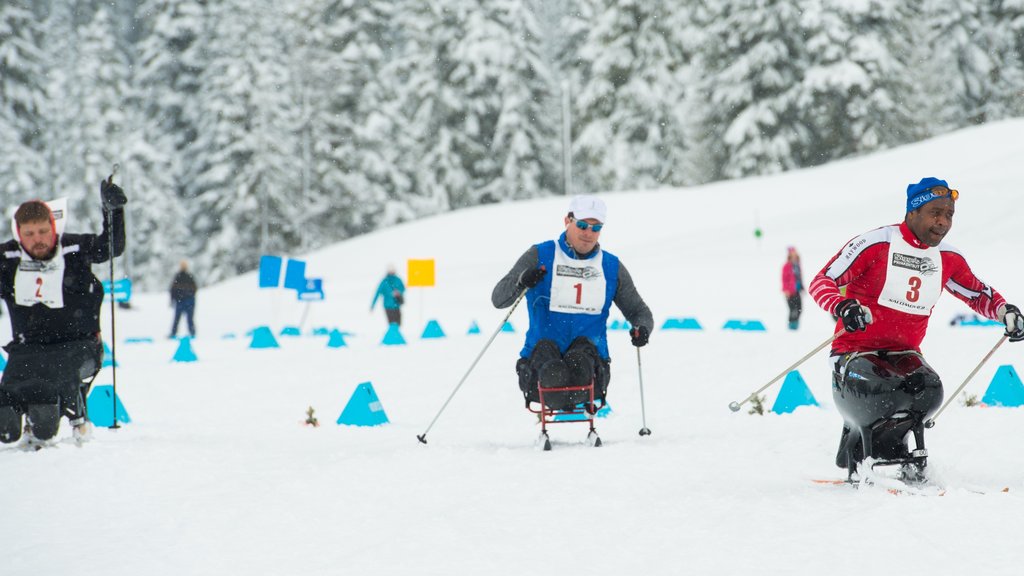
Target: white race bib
column 913, row 277
column 577, row 286
column 40, row 282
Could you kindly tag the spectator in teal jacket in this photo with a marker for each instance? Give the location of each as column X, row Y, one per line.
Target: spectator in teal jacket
column 393, row 291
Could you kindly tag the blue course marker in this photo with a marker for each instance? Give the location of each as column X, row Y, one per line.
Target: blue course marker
column 363, row 408
column 184, row 353
column 262, row 337
column 336, row 339
column 432, row 330
column 102, row 406
column 745, row 325
column 1005, row 389
column 794, row 393
column 681, row 324
column 393, row 337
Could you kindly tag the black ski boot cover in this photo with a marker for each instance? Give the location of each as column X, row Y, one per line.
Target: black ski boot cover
column 45, row 420
column 10, row 424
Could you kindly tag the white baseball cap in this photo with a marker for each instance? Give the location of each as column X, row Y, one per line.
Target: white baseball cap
column 586, row 206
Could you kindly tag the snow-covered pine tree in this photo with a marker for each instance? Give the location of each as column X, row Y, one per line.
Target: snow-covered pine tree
column 976, row 63
column 525, row 150
column 22, row 98
column 1009, row 21
column 750, row 74
column 629, row 131
column 365, row 161
column 84, row 117
column 245, row 147
column 856, row 90
column 447, row 98
column 167, row 73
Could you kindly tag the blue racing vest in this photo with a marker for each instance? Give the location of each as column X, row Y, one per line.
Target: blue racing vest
column 570, row 300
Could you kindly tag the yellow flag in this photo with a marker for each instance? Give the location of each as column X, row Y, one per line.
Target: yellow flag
column 420, row 273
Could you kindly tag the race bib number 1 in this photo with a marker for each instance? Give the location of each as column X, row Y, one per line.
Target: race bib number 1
column 577, row 286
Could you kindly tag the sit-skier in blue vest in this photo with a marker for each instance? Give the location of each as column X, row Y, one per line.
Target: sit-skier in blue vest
column 570, row 285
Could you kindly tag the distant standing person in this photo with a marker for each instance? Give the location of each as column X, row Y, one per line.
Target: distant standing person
column 392, row 290
column 793, row 286
column 183, row 298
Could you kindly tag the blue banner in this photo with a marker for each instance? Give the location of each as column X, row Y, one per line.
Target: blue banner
column 270, row 271
column 122, row 289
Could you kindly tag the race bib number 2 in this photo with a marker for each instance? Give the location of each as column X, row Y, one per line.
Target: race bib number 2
column 38, row 282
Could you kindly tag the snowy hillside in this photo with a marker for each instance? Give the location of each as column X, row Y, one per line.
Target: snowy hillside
column 215, row 474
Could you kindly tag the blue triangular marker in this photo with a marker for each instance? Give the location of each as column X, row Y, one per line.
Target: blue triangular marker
column 321, row 331
column 363, row 408
column 1006, row 389
column 432, row 330
column 290, row 331
column 794, row 393
column 336, row 339
column 262, row 337
column 393, row 337
column 507, row 327
column 473, row 328
column 102, row 408
column 745, row 325
column 184, row 352
column 3, row 362
column 681, row 324
column 107, row 357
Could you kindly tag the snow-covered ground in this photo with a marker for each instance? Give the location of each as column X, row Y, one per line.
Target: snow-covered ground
column 216, row 475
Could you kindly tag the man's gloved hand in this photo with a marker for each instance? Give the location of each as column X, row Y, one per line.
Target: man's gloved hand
column 112, row 195
column 532, row 277
column 1014, row 322
column 854, row 316
column 640, row 335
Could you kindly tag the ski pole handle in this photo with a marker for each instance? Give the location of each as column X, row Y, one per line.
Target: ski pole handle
column 931, row 421
column 113, row 172
column 735, row 406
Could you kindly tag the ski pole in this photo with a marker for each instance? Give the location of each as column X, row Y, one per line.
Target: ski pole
column 735, row 406
column 645, row 431
column 113, row 305
column 423, row 437
column 931, row 421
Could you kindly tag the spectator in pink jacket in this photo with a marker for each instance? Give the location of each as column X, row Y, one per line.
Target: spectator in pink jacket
column 793, row 286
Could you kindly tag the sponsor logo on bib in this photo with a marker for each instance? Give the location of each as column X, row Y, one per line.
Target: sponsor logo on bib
column 924, row 265
column 577, row 271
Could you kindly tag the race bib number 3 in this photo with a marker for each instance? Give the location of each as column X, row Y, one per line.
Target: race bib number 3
column 913, row 278
column 578, row 286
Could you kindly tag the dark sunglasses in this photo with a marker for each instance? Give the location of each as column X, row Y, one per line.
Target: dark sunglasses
column 583, row 225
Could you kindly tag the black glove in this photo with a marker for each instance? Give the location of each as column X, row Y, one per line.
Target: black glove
column 854, row 316
column 1014, row 323
column 112, row 195
column 532, row 277
column 640, row 335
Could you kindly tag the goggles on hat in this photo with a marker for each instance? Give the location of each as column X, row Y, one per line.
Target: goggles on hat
column 583, row 225
column 933, row 193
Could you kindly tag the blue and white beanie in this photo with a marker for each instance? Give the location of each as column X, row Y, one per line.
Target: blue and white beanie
column 920, row 194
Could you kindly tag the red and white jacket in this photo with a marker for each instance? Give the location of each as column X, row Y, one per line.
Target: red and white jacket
column 899, row 279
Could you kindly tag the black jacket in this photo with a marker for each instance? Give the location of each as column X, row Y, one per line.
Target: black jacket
column 79, row 317
column 183, row 286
